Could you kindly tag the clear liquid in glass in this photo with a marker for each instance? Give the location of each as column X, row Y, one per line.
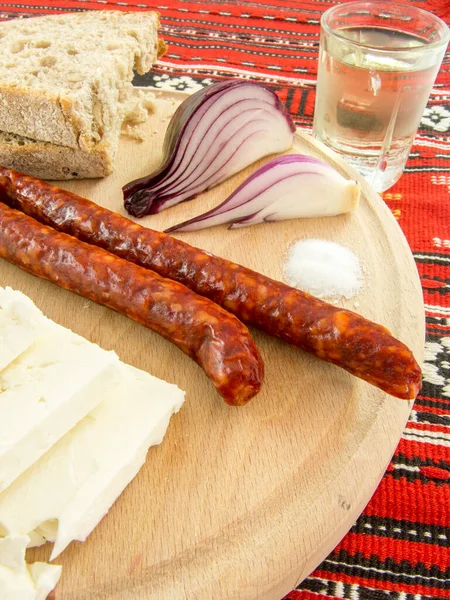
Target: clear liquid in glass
column 369, row 104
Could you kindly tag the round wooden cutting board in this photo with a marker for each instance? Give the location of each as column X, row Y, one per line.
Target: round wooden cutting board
column 241, row 503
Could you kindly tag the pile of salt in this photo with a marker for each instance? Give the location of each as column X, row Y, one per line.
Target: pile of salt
column 324, row 269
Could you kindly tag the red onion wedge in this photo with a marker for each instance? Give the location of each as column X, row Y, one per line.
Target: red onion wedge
column 287, row 187
column 214, row 133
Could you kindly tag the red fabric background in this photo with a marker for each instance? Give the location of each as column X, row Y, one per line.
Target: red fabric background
column 399, row 547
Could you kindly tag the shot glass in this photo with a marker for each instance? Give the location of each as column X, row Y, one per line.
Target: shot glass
column 378, row 62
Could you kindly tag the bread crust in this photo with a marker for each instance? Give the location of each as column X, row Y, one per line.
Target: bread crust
column 49, row 161
column 40, row 115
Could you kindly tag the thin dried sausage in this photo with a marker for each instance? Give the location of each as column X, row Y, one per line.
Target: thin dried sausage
column 333, row 334
column 213, row 337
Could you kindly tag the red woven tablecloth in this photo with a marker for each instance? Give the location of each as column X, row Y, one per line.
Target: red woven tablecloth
column 400, row 546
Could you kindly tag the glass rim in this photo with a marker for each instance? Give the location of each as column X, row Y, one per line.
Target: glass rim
column 335, row 32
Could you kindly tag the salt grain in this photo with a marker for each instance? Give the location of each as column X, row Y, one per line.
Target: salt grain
column 324, row 269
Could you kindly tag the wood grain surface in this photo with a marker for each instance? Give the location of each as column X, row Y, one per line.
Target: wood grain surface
column 241, row 503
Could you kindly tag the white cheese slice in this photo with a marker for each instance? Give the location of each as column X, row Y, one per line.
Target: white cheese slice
column 19, row 580
column 36, row 540
column 56, row 382
column 21, row 324
column 67, row 492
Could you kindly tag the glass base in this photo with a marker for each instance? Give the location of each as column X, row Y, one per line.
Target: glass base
column 379, row 180
column 381, row 174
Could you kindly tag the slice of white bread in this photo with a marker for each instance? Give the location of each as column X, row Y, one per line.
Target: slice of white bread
column 50, row 161
column 64, row 78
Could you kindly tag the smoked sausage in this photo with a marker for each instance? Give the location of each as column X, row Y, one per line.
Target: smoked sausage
column 339, row 336
column 213, row 337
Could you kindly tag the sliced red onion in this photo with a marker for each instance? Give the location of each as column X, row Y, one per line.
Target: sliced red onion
column 287, row 187
column 214, row 133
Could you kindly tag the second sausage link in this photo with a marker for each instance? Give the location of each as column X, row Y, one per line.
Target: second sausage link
column 214, row 338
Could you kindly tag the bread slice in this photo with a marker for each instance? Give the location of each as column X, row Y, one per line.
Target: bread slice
column 50, row 161
column 63, row 78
